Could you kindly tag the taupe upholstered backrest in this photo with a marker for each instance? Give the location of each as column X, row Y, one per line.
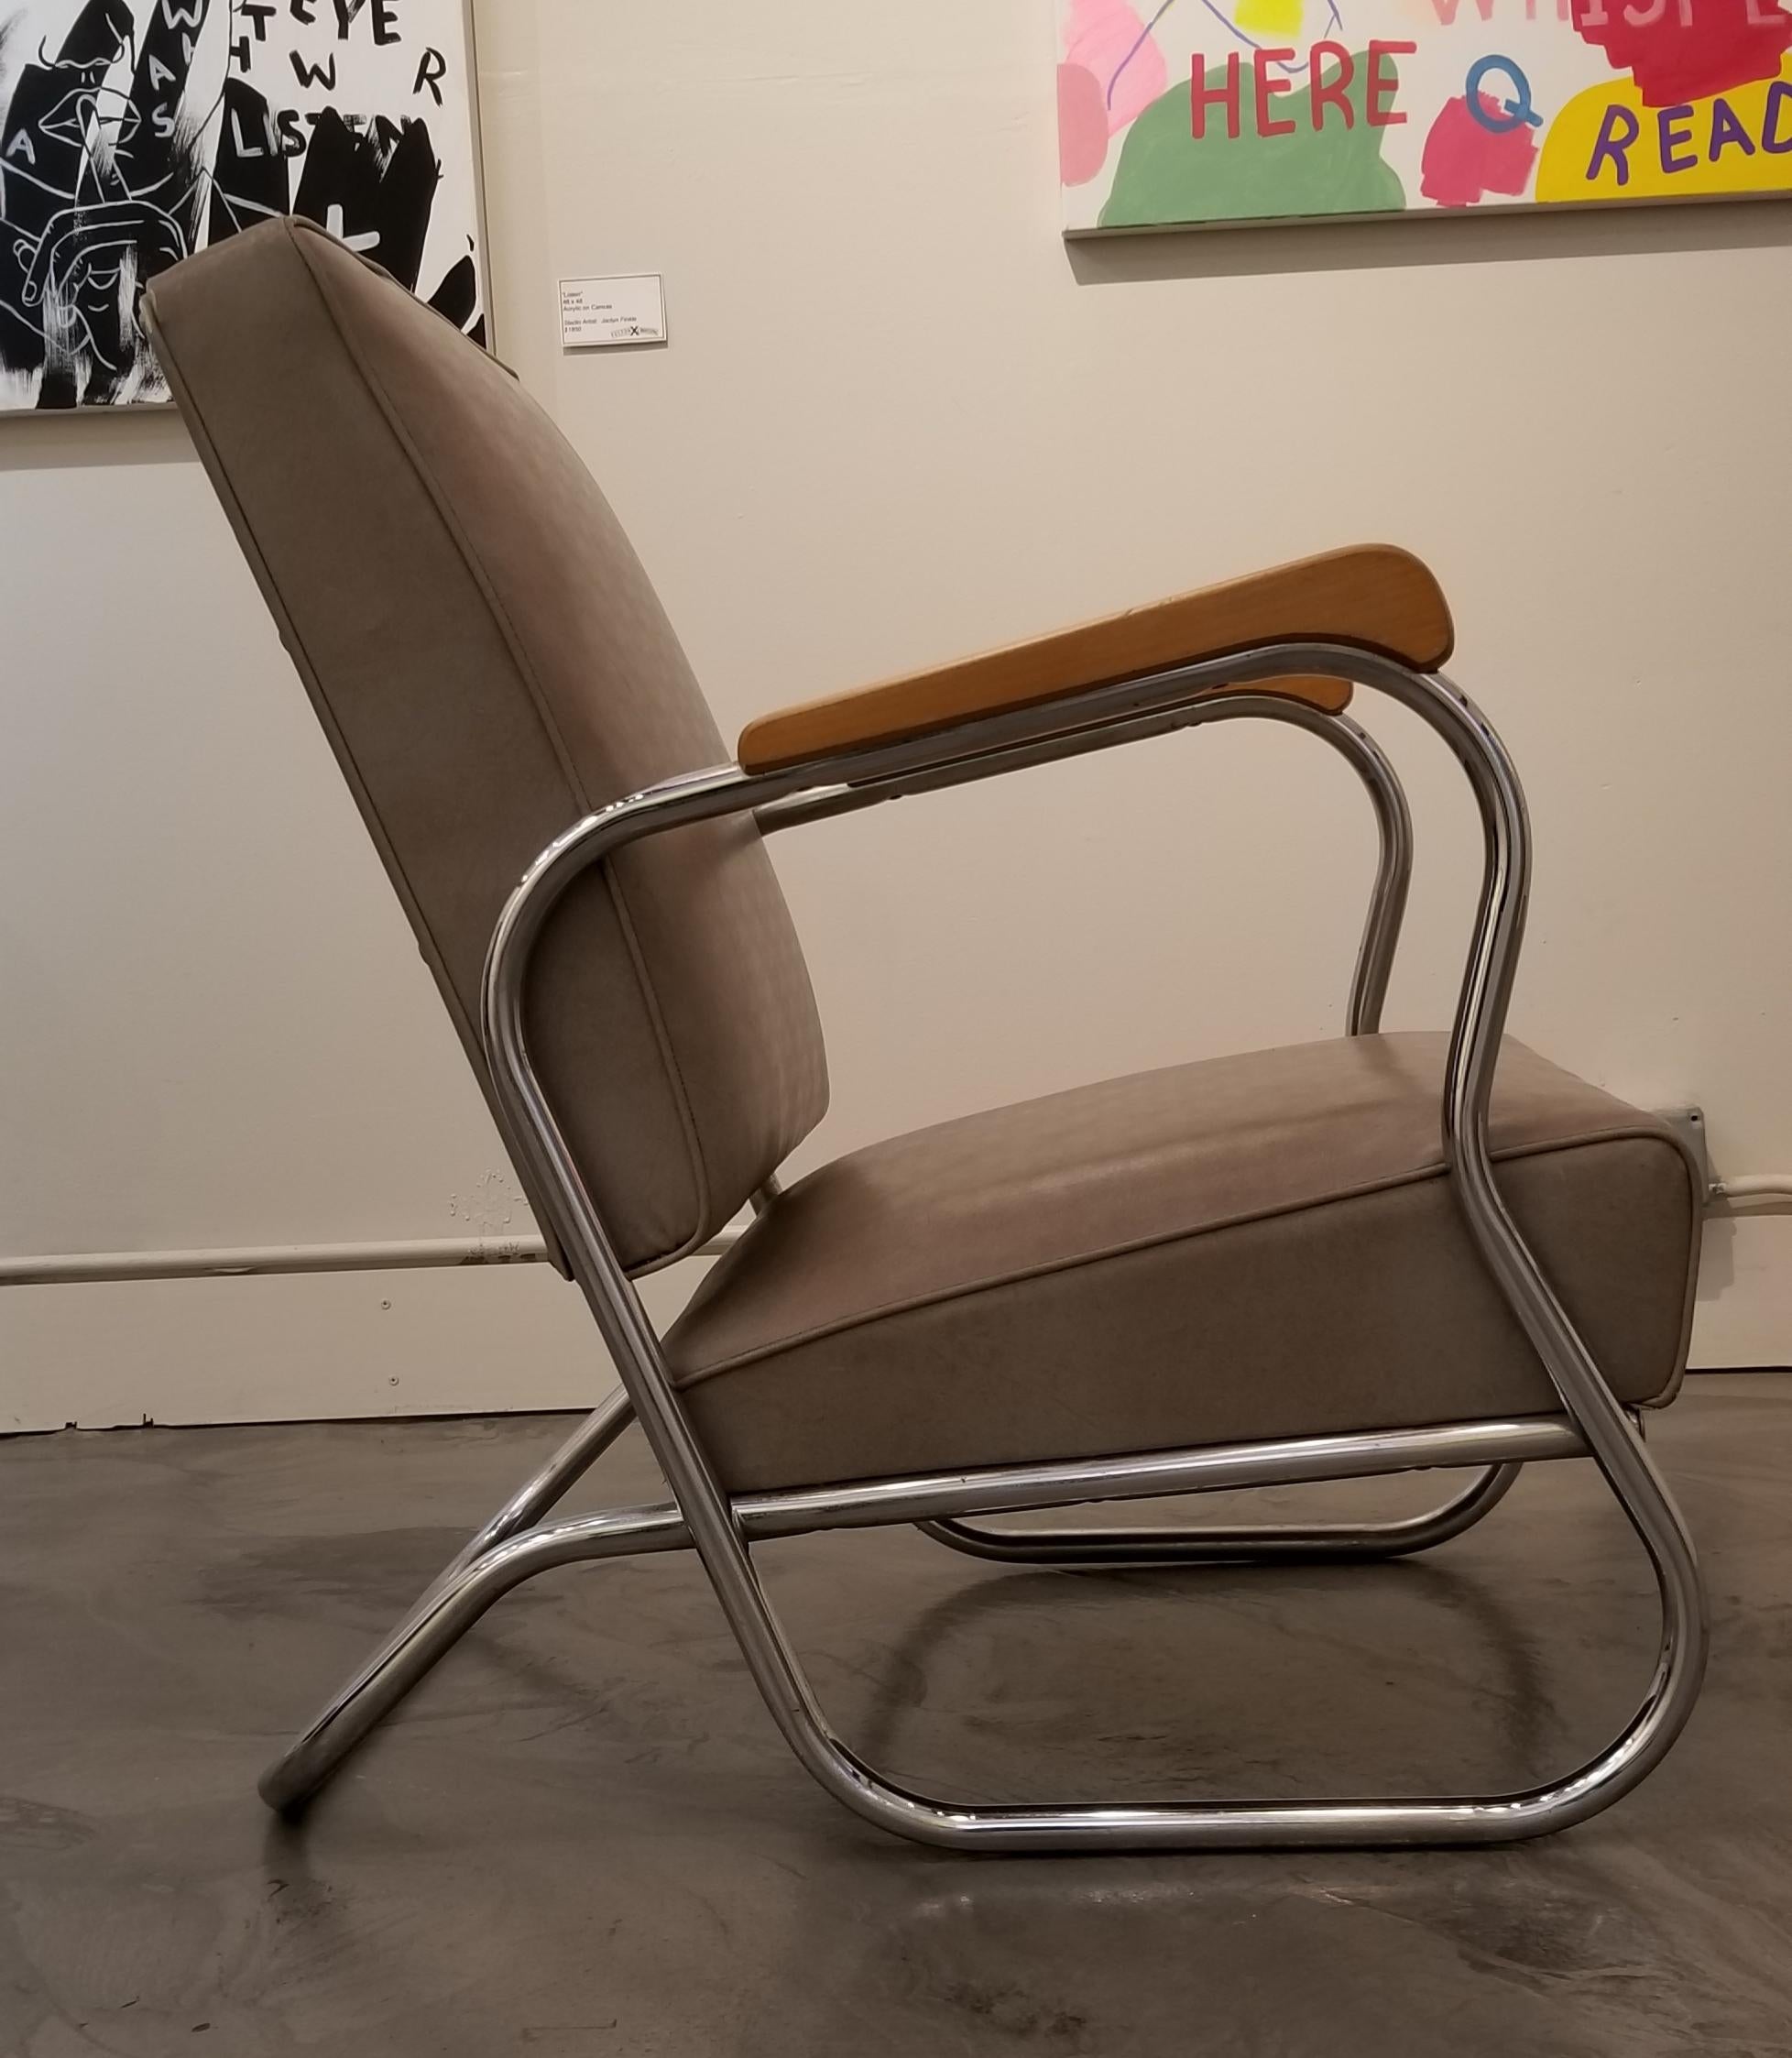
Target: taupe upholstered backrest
column 490, row 663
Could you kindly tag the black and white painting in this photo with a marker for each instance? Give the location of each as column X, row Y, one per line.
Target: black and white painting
column 133, row 132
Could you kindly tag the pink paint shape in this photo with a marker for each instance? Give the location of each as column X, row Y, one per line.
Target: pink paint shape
column 1109, row 39
column 1082, row 124
column 1721, row 44
column 1465, row 160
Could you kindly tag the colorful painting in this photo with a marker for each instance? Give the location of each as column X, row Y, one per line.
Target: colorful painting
column 1208, row 111
column 133, row 132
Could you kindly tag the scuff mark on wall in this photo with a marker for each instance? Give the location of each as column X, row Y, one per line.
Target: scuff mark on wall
column 494, row 1207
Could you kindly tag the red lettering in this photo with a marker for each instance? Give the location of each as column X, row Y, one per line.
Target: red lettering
column 1202, row 96
column 1331, row 92
column 1383, row 83
column 1268, row 88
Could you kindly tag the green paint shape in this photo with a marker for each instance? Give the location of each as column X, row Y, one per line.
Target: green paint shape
column 1166, row 174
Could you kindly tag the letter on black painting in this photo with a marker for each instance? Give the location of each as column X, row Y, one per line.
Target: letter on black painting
column 375, row 192
column 458, row 297
column 249, row 179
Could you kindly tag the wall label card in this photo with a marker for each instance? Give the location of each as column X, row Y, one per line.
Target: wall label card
column 1175, row 112
column 596, row 313
column 135, row 132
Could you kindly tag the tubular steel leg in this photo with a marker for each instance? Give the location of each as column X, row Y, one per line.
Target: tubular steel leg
column 441, row 1619
column 392, row 1668
column 580, row 1452
column 1237, row 1544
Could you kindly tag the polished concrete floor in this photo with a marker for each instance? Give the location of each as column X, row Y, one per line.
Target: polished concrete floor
column 582, row 1836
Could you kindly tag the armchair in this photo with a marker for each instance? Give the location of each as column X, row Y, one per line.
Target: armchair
column 1373, row 1255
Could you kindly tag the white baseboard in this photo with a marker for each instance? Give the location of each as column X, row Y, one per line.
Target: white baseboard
column 323, row 1346
column 498, row 1339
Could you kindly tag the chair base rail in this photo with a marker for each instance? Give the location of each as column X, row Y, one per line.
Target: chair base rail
column 517, row 1543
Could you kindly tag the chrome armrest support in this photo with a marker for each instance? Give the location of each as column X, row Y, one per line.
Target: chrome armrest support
column 1393, row 821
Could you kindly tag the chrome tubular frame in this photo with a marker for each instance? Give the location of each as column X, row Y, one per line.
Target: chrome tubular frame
column 721, row 1528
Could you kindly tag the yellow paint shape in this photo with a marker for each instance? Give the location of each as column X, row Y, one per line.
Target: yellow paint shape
column 1750, row 129
column 1270, row 17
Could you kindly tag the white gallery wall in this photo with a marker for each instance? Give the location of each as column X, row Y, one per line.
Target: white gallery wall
column 898, row 419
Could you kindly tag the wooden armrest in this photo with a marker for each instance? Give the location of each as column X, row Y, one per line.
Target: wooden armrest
column 1375, row 597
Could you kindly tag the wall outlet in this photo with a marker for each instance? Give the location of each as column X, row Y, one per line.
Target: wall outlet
column 1690, row 1124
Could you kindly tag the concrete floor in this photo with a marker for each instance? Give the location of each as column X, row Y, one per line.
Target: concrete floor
column 582, row 1836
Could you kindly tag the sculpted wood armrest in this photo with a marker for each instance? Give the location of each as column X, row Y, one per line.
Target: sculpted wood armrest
column 1375, row 597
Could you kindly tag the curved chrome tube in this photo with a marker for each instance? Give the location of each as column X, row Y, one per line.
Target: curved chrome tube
column 1233, row 1544
column 716, row 1525
column 1371, row 764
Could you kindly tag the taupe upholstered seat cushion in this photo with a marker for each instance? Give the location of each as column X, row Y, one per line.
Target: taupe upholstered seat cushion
column 1249, row 1247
